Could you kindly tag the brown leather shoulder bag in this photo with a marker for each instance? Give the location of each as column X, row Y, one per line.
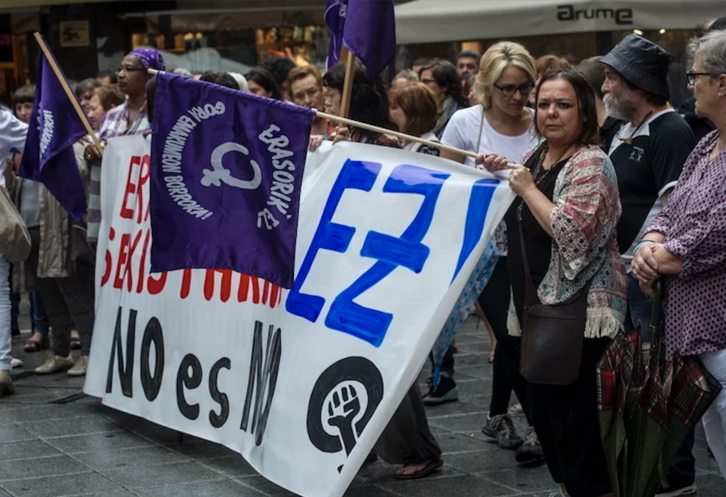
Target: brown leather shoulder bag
column 552, row 335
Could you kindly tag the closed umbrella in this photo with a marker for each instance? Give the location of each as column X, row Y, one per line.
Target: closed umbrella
column 648, row 405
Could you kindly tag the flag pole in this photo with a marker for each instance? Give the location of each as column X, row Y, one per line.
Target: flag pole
column 348, row 83
column 54, row 65
column 377, row 129
column 402, row 136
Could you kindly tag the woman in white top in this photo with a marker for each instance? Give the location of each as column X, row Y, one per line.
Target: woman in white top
column 500, row 124
column 413, row 108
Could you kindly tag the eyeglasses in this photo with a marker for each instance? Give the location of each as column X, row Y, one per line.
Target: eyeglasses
column 509, row 90
column 693, row 76
column 129, row 69
column 310, row 92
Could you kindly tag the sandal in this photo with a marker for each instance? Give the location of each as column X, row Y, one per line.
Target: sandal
column 36, row 345
column 430, row 467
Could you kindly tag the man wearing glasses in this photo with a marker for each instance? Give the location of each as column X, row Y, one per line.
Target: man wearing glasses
column 648, row 148
column 306, row 89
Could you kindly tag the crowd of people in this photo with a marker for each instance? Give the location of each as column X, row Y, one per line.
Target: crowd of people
column 615, row 189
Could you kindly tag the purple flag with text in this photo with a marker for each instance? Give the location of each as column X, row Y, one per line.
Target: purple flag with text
column 226, row 172
column 365, row 27
column 54, row 128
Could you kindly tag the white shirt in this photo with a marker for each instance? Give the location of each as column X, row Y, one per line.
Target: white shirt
column 463, row 132
column 12, row 138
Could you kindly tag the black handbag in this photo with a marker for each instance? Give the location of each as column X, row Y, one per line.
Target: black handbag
column 552, row 335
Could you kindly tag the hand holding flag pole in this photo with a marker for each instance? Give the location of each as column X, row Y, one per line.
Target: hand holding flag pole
column 54, row 65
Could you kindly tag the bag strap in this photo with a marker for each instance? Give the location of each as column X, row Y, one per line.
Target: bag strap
column 530, row 292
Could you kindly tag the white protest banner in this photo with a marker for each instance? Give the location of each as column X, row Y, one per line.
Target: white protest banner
column 386, row 240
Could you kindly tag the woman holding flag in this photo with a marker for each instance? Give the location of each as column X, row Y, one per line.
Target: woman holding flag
column 127, row 119
column 500, row 124
column 563, row 254
column 68, row 289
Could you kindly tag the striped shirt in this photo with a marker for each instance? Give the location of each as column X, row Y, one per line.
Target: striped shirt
column 115, row 123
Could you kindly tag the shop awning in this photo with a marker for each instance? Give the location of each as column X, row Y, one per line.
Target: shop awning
column 27, row 4
column 428, row 21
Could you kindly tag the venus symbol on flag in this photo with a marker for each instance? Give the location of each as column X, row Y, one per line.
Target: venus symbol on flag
column 226, row 171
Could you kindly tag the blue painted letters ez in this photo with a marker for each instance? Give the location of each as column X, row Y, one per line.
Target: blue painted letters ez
column 356, row 175
column 406, row 251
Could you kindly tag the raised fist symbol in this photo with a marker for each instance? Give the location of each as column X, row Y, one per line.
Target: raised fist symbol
column 344, row 398
column 342, row 410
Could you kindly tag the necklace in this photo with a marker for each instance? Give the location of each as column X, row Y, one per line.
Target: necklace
column 629, row 141
column 538, row 178
column 540, row 165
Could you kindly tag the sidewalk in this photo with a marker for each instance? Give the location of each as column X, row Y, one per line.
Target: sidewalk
column 52, row 445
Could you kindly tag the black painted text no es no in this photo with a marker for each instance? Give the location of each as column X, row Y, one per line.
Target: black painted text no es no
column 264, row 368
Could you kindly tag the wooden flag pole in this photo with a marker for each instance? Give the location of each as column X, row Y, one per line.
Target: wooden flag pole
column 377, row 129
column 54, row 65
column 402, row 136
column 348, row 84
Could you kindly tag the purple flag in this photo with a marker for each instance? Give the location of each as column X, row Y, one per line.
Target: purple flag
column 365, row 27
column 226, row 172
column 335, row 20
column 54, row 128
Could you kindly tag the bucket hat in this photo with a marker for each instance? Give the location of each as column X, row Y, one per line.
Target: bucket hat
column 643, row 63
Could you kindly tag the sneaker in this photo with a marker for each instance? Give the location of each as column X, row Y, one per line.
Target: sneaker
column 15, row 363
column 6, row 384
column 80, row 367
column 502, row 428
column 444, row 392
column 530, row 450
column 687, row 490
column 55, row 364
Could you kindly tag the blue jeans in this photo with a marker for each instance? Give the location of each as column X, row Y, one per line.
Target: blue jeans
column 38, row 315
column 5, row 305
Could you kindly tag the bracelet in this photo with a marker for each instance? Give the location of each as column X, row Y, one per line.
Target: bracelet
column 644, row 242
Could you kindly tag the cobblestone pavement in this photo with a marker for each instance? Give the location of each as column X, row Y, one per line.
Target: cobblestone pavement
column 52, row 446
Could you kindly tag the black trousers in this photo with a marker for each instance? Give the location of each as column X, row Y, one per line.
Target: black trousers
column 494, row 301
column 567, row 424
column 407, row 438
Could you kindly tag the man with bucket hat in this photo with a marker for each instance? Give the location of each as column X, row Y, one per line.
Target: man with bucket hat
column 648, row 148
